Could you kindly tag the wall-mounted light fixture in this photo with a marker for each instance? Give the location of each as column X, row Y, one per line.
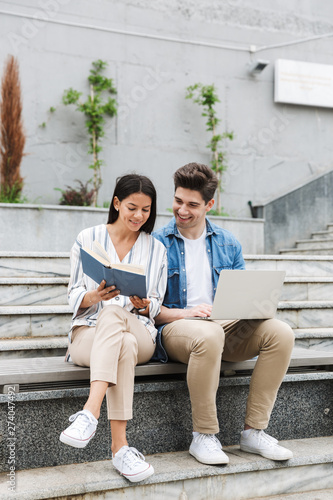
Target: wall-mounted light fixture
column 257, row 66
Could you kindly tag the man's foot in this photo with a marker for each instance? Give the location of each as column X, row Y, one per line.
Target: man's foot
column 258, row 442
column 81, row 431
column 207, row 449
column 131, row 464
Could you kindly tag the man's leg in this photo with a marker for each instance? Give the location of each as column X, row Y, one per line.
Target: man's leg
column 199, row 344
column 272, row 341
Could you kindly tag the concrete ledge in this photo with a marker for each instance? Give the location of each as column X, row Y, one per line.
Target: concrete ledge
column 178, row 475
column 31, row 223
column 162, row 418
column 162, row 386
column 33, row 371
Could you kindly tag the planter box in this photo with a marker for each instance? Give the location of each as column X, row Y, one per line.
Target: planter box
column 53, row 228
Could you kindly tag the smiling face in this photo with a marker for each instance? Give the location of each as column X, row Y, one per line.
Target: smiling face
column 190, row 209
column 133, row 211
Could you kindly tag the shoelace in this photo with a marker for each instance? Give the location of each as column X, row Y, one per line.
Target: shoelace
column 210, row 441
column 262, row 436
column 132, row 457
column 82, row 420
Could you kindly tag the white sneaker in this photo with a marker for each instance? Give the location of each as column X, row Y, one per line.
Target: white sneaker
column 81, row 431
column 258, row 442
column 207, row 449
column 131, row 464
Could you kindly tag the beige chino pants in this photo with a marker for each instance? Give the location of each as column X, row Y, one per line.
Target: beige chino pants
column 202, row 345
column 112, row 349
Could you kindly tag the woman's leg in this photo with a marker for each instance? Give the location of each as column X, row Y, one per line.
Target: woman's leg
column 84, row 422
column 116, row 345
column 96, row 396
column 80, row 349
column 121, row 342
column 136, row 347
column 118, row 435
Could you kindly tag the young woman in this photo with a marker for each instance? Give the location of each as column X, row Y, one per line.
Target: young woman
column 112, row 333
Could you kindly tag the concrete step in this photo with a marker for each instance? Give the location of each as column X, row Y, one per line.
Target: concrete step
column 46, row 320
column 315, row 243
column 307, row 288
column 32, row 347
column 162, row 417
column 34, row 321
column 306, row 314
column 48, row 264
column 330, row 227
column 24, row 264
column 307, row 251
column 180, row 476
column 314, row 338
column 308, row 495
column 53, row 291
column 294, row 265
column 31, row 291
column 322, row 235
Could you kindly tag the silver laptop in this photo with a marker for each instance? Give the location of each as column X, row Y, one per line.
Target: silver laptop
column 244, row 294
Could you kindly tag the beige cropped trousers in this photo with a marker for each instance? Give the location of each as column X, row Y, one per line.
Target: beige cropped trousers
column 112, row 349
column 202, row 345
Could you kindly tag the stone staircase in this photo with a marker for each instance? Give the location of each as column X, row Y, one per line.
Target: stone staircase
column 34, row 313
column 320, row 243
column 34, row 321
column 35, row 317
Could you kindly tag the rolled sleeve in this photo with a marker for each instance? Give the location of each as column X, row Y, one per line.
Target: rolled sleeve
column 239, row 262
column 76, row 285
column 156, row 295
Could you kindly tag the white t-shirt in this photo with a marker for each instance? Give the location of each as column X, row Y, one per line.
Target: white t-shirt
column 198, row 271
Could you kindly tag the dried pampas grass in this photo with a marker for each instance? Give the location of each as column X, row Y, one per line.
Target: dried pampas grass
column 12, row 137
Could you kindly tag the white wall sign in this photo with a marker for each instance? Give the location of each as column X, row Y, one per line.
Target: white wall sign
column 305, row 83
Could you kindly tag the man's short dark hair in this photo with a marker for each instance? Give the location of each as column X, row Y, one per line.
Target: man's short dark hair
column 197, row 177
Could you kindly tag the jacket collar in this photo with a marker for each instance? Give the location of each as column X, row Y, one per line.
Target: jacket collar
column 172, row 230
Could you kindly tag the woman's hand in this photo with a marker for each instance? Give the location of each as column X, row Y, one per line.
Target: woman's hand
column 142, row 305
column 101, row 293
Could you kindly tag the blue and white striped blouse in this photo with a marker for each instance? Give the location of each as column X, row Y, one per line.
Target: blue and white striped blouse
column 146, row 251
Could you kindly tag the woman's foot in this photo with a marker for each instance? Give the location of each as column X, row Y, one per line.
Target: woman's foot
column 131, row 464
column 81, row 431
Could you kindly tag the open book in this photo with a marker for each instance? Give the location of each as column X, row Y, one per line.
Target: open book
column 128, row 278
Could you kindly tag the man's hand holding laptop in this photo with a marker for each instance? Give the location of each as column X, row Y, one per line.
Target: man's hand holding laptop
column 200, row 311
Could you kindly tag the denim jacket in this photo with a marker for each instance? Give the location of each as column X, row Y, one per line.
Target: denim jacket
column 224, row 252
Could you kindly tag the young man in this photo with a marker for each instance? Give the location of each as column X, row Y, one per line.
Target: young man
column 197, row 251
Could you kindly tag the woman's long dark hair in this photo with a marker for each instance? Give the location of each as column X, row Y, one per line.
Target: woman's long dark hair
column 131, row 184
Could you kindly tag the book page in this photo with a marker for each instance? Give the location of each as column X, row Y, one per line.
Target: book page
column 131, row 268
column 99, row 250
column 96, row 256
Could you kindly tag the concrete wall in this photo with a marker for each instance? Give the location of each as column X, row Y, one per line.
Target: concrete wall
column 298, row 214
column 276, row 147
column 54, row 229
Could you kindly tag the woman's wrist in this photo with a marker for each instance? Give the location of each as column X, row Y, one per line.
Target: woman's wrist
column 90, row 296
column 144, row 311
